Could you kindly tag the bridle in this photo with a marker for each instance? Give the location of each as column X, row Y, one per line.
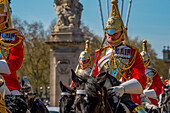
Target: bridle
column 100, row 106
column 64, row 94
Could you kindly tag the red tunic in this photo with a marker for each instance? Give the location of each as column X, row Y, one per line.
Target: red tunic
column 14, row 61
column 157, row 86
column 165, row 82
column 137, row 71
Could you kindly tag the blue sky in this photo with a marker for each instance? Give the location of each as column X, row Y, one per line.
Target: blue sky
column 149, row 19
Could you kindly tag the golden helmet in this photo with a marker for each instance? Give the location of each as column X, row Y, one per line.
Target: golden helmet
column 145, row 55
column 3, row 13
column 3, row 10
column 113, row 25
column 85, row 55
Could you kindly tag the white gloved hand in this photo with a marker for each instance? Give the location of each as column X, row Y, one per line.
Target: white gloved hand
column 144, row 98
column 117, row 90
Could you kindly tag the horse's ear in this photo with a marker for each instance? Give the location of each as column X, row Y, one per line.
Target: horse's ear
column 101, row 74
column 75, row 78
column 101, row 82
column 101, row 78
column 65, row 88
column 62, row 87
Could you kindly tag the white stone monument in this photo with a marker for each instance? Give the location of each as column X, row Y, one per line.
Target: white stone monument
column 66, row 43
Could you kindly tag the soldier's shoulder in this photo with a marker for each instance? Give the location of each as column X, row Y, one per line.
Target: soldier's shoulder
column 13, row 31
column 153, row 69
column 101, row 49
column 10, row 30
column 132, row 47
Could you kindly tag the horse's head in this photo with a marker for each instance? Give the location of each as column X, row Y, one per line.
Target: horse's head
column 67, row 99
column 89, row 95
column 106, row 80
column 38, row 107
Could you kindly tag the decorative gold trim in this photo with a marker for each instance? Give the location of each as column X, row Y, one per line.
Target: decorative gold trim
column 137, row 108
column 101, row 49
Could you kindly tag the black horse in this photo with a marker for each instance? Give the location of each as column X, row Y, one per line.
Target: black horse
column 90, row 97
column 38, row 107
column 18, row 104
column 67, row 99
column 164, row 98
column 119, row 105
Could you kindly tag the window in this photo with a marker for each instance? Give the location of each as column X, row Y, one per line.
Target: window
column 169, row 56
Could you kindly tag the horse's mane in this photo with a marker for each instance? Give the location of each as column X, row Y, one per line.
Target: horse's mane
column 104, row 75
column 15, row 103
column 115, row 82
column 92, row 87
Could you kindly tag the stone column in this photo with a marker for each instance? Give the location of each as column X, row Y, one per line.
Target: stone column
column 66, row 43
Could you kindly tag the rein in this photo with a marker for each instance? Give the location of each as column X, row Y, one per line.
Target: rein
column 102, row 105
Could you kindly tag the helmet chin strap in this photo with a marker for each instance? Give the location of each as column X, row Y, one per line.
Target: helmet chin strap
column 117, row 40
column 148, row 63
column 2, row 25
column 85, row 66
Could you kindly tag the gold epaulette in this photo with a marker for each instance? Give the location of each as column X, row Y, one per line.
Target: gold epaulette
column 101, row 48
column 13, row 30
column 153, row 69
column 136, row 49
column 10, row 30
column 133, row 47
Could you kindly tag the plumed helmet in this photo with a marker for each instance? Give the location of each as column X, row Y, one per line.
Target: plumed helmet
column 3, row 10
column 113, row 25
column 3, row 13
column 145, row 55
column 85, row 55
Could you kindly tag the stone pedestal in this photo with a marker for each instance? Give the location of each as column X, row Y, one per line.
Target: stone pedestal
column 65, row 48
column 66, row 43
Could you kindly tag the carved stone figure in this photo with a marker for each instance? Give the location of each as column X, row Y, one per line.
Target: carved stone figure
column 69, row 15
column 63, row 66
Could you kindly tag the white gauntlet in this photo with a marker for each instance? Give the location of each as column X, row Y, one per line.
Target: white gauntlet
column 132, row 87
column 150, row 93
column 3, row 88
column 118, row 90
column 144, row 98
column 4, row 68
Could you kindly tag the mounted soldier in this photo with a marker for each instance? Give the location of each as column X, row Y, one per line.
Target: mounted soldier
column 84, row 66
column 11, row 50
column 120, row 59
column 153, row 86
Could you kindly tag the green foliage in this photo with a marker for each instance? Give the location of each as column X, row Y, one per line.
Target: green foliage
column 95, row 41
column 36, row 63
